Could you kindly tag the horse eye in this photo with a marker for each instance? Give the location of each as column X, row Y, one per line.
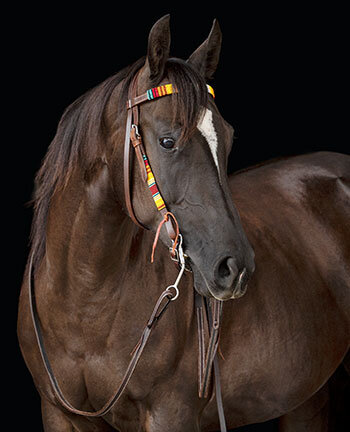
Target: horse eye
column 167, row 142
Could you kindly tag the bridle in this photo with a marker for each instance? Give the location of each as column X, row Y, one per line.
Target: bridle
column 208, row 314
column 132, row 136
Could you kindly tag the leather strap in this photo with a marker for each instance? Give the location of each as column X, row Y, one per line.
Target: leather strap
column 136, row 100
column 213, row 318
column 208, row 320
column 200, row 310
column 218, row 395
column 126, row 167
column 214, row 324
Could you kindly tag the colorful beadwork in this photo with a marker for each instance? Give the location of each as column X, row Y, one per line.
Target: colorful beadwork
column 153, row 186
column 162, row 90
column 168, row 89
column 211, row 90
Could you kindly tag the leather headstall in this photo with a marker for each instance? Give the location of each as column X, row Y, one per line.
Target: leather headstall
column 133, row 136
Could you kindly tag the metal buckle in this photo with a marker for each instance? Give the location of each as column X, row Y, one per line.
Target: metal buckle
column 179, row 255
column 134, row 126
column 180, row 258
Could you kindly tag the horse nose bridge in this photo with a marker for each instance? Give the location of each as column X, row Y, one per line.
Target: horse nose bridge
column 207, row 225
column 210, row 223
column 209, row 233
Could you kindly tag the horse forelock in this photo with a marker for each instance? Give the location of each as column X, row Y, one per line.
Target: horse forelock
column 188, row 101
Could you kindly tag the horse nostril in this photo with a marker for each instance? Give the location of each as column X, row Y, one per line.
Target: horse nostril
column 226, row 271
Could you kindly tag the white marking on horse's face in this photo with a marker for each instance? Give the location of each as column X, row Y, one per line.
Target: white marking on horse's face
column 207, row 129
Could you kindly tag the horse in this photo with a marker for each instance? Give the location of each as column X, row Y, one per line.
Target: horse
column 270, row 244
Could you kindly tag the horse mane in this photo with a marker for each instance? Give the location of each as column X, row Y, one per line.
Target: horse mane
column 82, row 131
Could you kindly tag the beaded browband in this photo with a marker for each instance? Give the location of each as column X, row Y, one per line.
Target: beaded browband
column 168, row 89
column 156, row 92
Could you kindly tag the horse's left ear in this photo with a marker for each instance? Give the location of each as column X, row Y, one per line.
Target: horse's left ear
column 158, row 49
column 206, row 57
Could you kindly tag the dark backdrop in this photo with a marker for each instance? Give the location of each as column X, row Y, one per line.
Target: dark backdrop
column 280, row 83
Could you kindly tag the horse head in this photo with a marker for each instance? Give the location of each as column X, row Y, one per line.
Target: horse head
column 188, row 142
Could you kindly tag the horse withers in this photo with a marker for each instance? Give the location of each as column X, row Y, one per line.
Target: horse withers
column 285, row 326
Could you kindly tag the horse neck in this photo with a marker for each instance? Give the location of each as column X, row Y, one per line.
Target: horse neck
column 94, row 251
column 89, row 237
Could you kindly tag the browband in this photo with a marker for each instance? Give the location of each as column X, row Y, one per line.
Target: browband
column 156, row 92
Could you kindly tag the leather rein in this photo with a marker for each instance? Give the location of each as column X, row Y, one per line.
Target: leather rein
column 208, row 312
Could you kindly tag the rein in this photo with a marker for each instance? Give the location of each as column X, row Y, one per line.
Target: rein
column 168, row 295
column 208, row 312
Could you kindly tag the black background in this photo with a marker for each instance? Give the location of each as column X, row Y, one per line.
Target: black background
column 280, row 83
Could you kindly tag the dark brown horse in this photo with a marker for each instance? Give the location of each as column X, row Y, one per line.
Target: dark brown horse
column 95, row 286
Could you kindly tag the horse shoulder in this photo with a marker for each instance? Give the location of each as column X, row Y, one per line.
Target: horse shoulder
column 301, row 205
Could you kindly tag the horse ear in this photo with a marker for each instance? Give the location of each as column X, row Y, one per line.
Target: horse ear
column 158, row 48
column 206, row 57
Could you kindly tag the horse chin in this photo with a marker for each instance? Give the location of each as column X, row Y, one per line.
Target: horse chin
column 204, row 288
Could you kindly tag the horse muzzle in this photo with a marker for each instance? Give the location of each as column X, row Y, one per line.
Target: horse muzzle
column 229, row 282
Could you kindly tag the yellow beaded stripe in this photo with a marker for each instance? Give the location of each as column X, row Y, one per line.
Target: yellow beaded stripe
column 162, row 90
column 168, row 89
column 211, row 90
column 153, row 186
